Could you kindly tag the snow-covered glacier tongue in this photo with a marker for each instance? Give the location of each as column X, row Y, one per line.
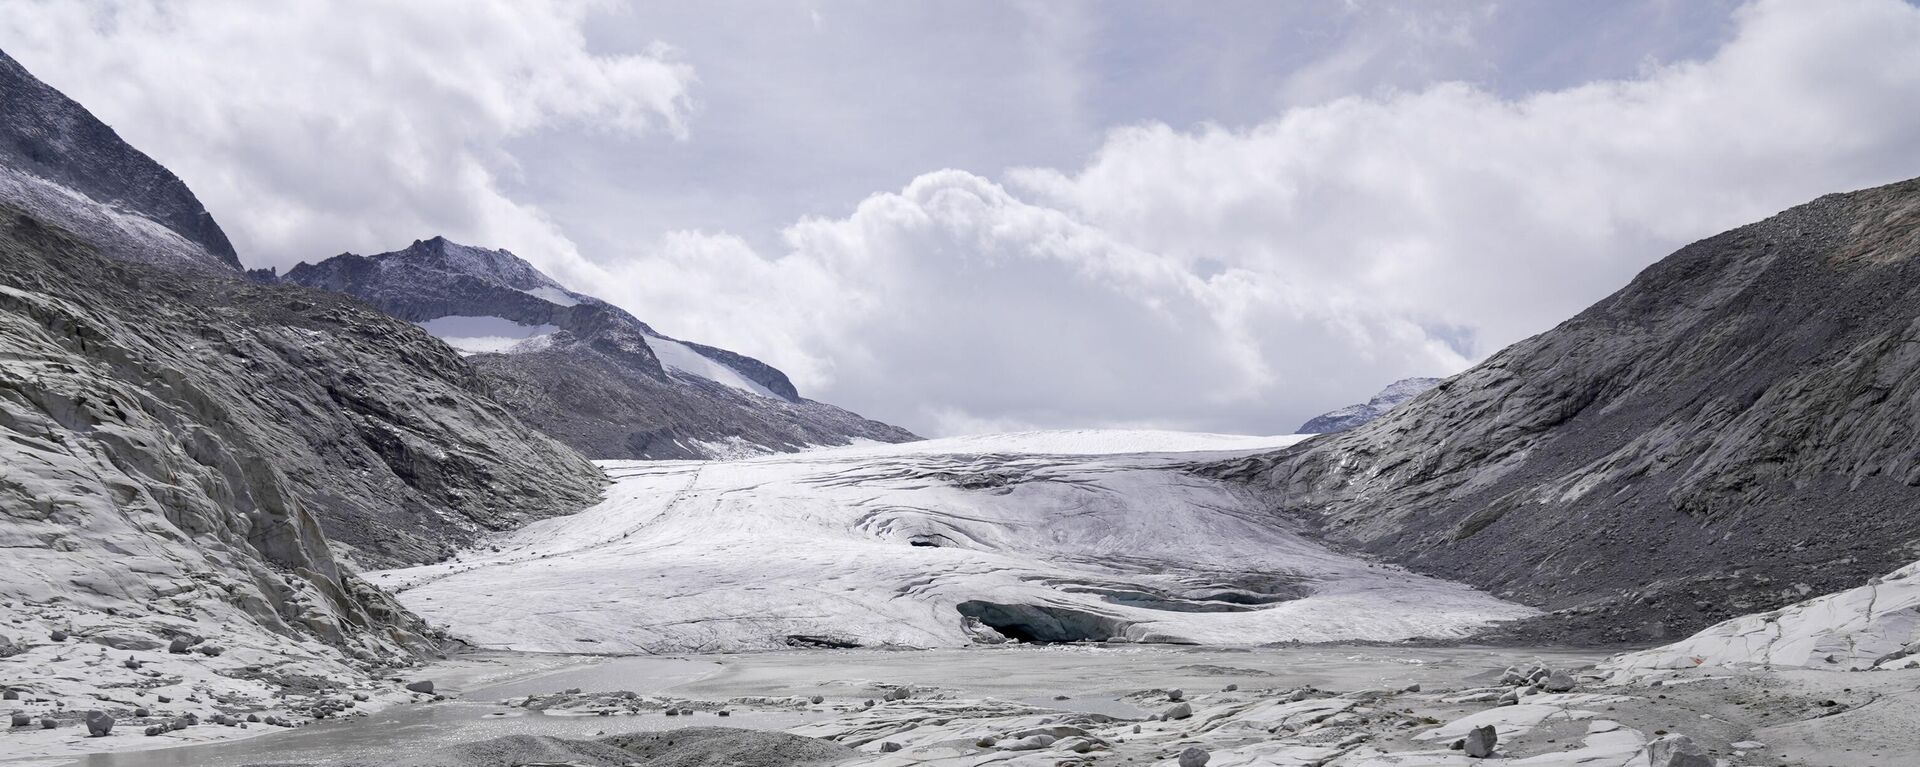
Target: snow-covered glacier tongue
column 1050, row 536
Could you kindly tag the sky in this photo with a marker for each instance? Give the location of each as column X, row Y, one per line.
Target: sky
column 965, row 217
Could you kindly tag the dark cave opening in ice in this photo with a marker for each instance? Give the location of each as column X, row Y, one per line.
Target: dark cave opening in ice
column 1040, row 623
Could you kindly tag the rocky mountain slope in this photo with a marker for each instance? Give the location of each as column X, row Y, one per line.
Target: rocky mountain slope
column 1734, row 430
column 182, row 450
column 60, row 163
column 584, row 370
column 1354, row 415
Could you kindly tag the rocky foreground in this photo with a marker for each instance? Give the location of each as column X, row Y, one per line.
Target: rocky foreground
column 1529, row 714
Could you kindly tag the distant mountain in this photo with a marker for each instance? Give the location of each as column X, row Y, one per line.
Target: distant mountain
column 1354, row 415
column 63, row 166
column 585, row 370
column 1732, row 431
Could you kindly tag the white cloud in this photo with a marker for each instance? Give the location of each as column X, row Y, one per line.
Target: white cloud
column 311, row 127
column 1241, row 280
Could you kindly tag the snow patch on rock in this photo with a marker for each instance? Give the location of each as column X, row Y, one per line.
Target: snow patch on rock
column 681, row 358
column 1873, row 626
column 488, row 335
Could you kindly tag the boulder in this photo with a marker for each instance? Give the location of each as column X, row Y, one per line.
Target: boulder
column 1029, row 743
column 1480, row 741
column 22, row 719
column 1677, row 750
column 179, row 646
column 99, row 724
column 1177, row 711
column 889, row 747
column 48, row 723
column 1194, row 756
column 424, row 685
column 57, row 635
column 1175, row 694
column 10, row 695
column 211, row 650
column 1558, row 681
column 1077, row 745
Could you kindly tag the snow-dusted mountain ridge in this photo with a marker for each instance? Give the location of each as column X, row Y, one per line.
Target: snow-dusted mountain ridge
column 1351, row 416
column 584, row 370
column 61, row 164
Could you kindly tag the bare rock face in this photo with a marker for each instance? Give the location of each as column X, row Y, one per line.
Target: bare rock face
column 69, row 169
column 1732, row 430
column 584, row 370
column 178, row 444
column 268, row 413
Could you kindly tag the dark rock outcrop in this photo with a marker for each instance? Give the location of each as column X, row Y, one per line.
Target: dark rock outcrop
column 595, row 377
column 63, row 165
column 1735, row 429
column 1354, row 415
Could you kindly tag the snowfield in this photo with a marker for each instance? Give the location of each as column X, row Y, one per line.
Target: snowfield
column 930, row 544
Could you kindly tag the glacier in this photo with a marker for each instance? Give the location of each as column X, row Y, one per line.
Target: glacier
column 940, row 543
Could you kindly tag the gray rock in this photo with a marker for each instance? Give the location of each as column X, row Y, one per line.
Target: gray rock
column 1177, row 711
column 48, row 723
column 180, row 645
column 142, row 713
column 817, row 700
column 1175, row 694
column 424, row 685
column 1028, row 743
column 1077, row 745
column 1481, row 740
column 211, row 650
column 10, row 695
column 99, row 724
column 1664, row 444
column 888, row 747
column 1194, row 756
column 57, row 635
column 155, row 729
column 1558, row 681
column 22, row 719
column 1677, row 750
column 898, row 693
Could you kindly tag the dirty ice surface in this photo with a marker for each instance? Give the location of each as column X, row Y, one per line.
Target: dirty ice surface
column 941, row 543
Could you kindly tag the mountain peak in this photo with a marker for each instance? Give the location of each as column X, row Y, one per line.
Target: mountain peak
column 1354, row 415
column 498, row 266
column 62, row 164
